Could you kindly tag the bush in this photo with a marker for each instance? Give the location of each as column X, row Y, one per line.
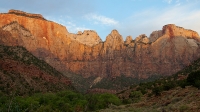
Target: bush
column 194, row 79
column 182, row 83
column 169, row 85
column 142, row 89
column 126, row 101
column 101, row 101
column 183, row 108
column 157, row 90
column 135, row 96
column 65, row 101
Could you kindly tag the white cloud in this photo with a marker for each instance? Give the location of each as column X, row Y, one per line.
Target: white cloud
column 71, row 26
column 150, row 20
column 99, row 19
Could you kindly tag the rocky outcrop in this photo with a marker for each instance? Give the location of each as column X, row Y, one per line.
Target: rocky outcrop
column 22, row 13
column 142, row 39
column 155, row 35
column 165, row 52
column 173, row 31
column 88, row 37
column 128, row 40
column 114, row 41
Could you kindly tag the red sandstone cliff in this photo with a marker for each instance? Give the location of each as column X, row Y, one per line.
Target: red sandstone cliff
column 164, row 52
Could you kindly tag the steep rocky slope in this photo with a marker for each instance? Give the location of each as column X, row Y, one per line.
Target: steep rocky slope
column 163, row 53
column 22, row 73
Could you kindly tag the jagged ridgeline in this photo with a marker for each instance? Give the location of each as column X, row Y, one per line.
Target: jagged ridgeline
column 22, row 73
column 94, row 62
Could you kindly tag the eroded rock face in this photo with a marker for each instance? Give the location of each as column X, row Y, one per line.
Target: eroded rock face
column 114, row 41
column 142, row 39
column 88, row 37
column 164, row 53
column 128, row 40
column 155, row 35
column 174, row 31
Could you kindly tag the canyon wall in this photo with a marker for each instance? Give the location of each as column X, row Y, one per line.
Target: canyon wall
column 163, row 53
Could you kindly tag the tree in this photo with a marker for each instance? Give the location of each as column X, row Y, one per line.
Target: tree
column 194, row 79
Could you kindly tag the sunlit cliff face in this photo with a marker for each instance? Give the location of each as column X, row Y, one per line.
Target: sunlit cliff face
column 164, row 52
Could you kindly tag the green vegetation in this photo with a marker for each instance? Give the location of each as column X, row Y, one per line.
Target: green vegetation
column 168, row 83
column 64, row 101
column 36, row 94
column 70, row 101
column 194, row 79
column 101, row 101
column 189, row 76
column 159, row 85
column 135, row 96
column 183, row 108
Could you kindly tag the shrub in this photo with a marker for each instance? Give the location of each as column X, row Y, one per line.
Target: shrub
column 101, row 101
column 194, row 79
column 169, row 85
column 135, row 96
column 157, row 90
column 126, row 101
column 183, row 108
column 182, row 83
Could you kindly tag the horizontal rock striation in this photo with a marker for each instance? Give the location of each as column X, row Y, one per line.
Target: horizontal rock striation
column 22, row 13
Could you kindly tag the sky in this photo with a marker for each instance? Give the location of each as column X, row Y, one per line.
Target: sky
column 129, row 17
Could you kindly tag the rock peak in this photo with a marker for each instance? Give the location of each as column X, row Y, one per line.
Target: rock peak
column 88, row 37
column 114, row 35
column 128, row 40
column 114, row 40
column 114, row 32
column 171, row 30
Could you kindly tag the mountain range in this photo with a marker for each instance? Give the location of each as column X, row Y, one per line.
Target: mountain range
column 93, row 64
